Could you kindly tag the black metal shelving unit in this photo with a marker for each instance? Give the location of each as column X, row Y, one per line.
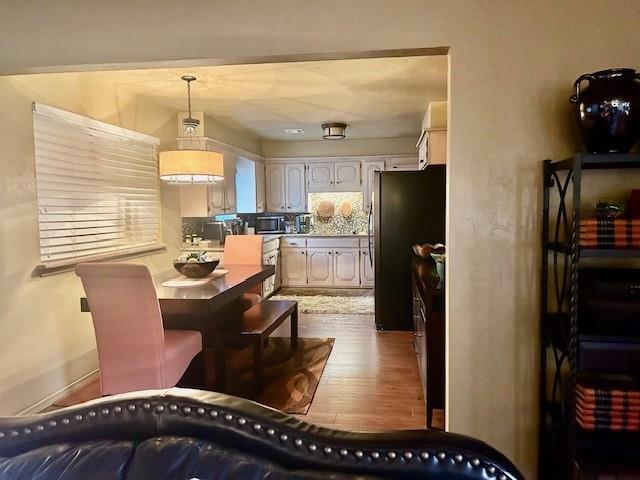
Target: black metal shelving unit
column 561, row 443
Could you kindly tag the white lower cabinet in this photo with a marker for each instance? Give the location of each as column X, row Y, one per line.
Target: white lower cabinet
column 326, row 262
column 320, row 267
column 272, row 283
column 294, row 267
column 346, row 271
column 367, row 272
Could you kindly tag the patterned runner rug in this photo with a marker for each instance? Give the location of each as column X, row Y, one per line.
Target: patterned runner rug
column 290, row 377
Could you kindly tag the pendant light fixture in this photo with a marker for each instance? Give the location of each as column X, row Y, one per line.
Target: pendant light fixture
column 191, row 166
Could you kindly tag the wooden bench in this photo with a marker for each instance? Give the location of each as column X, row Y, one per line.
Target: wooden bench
column 260, row 321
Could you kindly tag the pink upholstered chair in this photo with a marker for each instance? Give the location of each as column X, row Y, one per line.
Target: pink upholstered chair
column 245, row 250
column 134, row 351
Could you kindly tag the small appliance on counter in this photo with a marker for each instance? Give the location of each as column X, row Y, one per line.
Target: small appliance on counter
column 235, row 226
column 215, row 231
column 270, row 224
column 303, row 223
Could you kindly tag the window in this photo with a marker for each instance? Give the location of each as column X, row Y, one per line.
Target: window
column 97, row 187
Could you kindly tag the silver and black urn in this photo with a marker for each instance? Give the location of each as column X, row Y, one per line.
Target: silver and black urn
column 607, row 108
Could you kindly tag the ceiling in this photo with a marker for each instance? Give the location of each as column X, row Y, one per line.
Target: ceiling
column 377, row 98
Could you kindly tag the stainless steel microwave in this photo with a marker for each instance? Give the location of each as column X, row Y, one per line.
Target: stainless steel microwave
column 274, row 224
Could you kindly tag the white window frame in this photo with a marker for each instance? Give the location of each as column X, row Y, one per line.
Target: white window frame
column 97, row 189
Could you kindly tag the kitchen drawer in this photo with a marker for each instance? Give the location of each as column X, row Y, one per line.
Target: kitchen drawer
column 364, row 242
column 328, row 242
column 609, row 354
column 295, row 242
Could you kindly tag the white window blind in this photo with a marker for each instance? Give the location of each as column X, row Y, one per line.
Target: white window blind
column 97, row 188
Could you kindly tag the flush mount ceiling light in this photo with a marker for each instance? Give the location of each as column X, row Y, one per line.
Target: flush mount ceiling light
column 293, row 131
column 190, row 166
column 333, row 131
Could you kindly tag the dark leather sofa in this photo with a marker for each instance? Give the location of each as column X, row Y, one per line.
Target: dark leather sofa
column 191, row 434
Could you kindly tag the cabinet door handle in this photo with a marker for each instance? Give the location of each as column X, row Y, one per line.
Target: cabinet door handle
column 337, row 253
column 330, row 253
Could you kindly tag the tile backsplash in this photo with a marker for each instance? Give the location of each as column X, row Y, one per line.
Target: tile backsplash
column 337, row 224
column 193, row 225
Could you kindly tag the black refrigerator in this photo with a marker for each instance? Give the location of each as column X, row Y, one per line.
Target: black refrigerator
column 408, row 207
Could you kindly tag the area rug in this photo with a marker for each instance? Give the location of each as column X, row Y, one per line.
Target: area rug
column 290, row 377
column 344, row 302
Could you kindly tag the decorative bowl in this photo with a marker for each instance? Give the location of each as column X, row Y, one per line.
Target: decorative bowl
column 346, row 209
column 195, row 269
column 326, row 209
column 424, row 250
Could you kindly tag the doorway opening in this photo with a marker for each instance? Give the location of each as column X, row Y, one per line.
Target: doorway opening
column 362, row 372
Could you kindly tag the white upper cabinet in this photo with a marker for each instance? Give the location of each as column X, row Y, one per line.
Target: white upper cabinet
column 432, row 147
column 320, row 267
column 401, row 163
column 341, row 176
column 229, row 183
column 346, row 271
column 347, row 176
column 216, row 198
column 295, row 188
column 285, row 187
column 320, row 177
column 222, row 194
column 275, row 188
column 260, row 188
column 368, row 174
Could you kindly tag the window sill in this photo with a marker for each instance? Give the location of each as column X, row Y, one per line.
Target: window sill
column 46, row 269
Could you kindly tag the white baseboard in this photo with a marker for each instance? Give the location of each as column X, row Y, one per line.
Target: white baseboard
column 54, row 397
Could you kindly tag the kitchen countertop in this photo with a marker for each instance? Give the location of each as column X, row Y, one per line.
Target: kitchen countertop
column 319, row 235
column 268, row 237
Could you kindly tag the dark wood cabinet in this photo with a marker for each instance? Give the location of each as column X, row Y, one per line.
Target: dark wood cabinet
column 428, row 333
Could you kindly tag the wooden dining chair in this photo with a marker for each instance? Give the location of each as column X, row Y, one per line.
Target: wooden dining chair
column 134, row 350
column 245, row 250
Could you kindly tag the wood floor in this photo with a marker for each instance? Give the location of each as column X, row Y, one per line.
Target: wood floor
column 371, row 381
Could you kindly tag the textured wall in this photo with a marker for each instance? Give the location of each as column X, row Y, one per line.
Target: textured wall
column 46, row 342
column 512, row 64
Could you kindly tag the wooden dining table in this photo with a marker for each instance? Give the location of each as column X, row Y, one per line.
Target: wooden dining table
column 210, row 308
